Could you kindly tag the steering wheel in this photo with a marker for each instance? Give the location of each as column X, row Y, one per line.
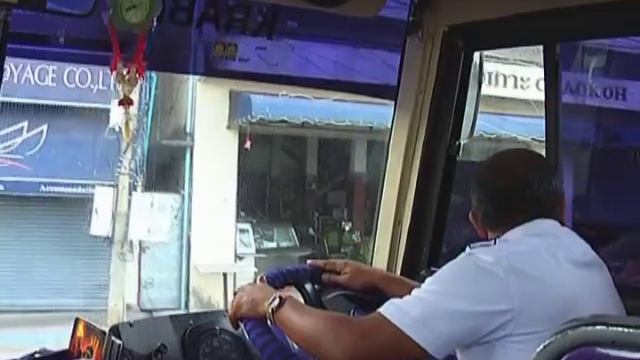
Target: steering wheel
column 271, row 343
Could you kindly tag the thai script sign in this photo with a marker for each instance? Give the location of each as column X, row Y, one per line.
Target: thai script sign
column 527, row 83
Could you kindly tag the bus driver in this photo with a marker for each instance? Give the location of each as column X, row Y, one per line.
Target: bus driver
column 499, row 300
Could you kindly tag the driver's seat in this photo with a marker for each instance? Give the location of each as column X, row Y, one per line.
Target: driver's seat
column 594, row 338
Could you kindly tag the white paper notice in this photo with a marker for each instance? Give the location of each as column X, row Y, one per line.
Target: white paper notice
column 155, row 217
column 102, row 212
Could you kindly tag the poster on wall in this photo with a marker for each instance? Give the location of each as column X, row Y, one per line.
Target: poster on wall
column 155, row 217
column 102, row 211
column 156, row 222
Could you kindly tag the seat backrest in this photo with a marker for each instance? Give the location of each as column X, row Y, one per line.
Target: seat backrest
column 596, row 353
column 594, row 338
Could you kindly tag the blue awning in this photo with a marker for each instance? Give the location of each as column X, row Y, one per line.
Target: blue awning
column 269, row 109
column 526, row 127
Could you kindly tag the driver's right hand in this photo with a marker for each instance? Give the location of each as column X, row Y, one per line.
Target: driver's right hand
column 348, row 274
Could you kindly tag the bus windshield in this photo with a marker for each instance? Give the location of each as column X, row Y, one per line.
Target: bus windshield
column 147, row 171
column 244, row 148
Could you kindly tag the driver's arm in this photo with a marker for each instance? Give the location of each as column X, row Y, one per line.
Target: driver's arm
column 332, row 336
column 360, row 277
column 468, row 301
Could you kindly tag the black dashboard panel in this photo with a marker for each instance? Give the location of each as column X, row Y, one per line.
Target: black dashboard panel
column 209, row 335
column 194, row 336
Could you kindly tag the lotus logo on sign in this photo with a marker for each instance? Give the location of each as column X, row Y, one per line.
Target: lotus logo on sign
column 18, row 142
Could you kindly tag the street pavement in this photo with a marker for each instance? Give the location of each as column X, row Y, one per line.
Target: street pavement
column 23, row 333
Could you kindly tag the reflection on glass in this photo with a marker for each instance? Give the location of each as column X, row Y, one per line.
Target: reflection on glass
column 600, row 149
column 310, row 172
column 246, row 243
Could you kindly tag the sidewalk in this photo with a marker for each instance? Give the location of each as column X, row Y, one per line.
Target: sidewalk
column 22, row 333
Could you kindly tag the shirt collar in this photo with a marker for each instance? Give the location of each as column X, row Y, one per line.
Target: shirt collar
column 532, row 227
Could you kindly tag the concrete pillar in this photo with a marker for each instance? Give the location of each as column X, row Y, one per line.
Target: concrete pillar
column 119, row 270
column 214, row 196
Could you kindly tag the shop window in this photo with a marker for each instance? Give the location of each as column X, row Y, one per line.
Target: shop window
column 505, row 109
column 310, row 174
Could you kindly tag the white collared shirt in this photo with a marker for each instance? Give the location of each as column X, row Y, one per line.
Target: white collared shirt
column 502, row 299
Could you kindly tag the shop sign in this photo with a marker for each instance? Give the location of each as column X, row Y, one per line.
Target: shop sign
column 34, row 81
column 52, row 153
column 230, row 17
column 527, row 83
column 44, row 188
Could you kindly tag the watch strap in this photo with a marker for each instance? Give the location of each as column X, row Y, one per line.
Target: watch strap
column 275, row 303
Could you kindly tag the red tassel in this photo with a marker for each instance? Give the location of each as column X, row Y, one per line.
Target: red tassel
column 115, row 44
column 139, row 65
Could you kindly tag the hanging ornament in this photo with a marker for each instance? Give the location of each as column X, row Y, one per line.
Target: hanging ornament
column 132, row 16
column 247, row 141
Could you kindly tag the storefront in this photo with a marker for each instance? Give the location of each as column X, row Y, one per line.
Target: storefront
column 54, row 149
column 315, row 165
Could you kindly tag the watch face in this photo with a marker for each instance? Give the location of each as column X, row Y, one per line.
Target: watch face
column 135, row 11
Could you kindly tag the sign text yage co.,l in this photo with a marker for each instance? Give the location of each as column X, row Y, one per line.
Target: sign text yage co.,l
column 56, row 83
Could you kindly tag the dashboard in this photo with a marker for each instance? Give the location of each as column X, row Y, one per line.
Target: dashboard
column 209, row 335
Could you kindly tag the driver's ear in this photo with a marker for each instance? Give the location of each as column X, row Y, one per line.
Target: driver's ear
column 481, row 231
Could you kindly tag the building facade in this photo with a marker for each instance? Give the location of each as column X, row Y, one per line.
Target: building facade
column 54, row 149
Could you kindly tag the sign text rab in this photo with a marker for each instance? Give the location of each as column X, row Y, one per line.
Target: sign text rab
column 237, row 17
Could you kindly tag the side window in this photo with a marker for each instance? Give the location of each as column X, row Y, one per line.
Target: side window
column 505, row 109
column 600, row 149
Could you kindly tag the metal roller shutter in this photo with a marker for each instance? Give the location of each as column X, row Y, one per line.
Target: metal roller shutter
column 48, row 260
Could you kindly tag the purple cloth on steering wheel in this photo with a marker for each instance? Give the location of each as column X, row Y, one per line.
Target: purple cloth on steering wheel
column 295, row 275
column 271, row 343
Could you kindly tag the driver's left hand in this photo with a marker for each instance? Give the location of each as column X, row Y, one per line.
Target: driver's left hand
column 249, row 303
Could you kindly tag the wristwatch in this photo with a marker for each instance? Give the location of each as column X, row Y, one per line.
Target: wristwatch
column 273, row 304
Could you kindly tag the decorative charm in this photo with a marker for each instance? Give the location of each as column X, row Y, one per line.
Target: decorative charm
column 127, row 80
column 134, row 16
column 247, row 142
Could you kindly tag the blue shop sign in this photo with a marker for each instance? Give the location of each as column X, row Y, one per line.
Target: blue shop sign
column 46, row 82
column 248, row 40
column 52, row 150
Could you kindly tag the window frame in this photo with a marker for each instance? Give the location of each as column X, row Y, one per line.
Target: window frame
column 444, row 122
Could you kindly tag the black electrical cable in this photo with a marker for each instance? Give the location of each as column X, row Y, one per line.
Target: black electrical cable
column 5, row 17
